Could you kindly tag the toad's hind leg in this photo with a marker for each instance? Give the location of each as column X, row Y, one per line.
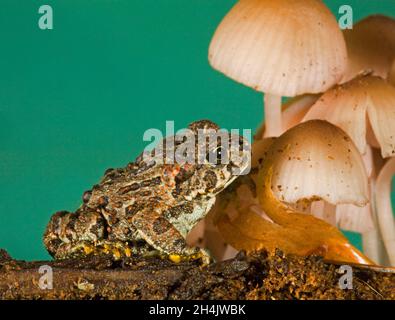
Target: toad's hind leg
column 158, row 232
column 66, row 232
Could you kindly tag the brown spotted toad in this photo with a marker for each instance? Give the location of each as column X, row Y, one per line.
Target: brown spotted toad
column 148, row 208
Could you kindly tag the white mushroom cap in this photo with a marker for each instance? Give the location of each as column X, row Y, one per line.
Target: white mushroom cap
column 281, row 47
column 348, row 216
column 317, row 160
column 348, row 105
column 371, row 46
column 381, row 112
column 356, row 219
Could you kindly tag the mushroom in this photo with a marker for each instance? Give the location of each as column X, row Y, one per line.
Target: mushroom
column 385, row 215
column 371, row 46
column 314, row 160
column 365, row 108
column 319, row 153
column 281, row 48
column 349, row 106
column 293, row 111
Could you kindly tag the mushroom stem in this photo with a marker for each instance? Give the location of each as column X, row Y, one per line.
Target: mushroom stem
column 272, row 104
column 333, row 245
column 345, row 252
column 384, row 208
column 329, row 214
column 373, row 247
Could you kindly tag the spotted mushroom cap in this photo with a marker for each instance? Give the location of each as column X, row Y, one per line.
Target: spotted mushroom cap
column 282, row 47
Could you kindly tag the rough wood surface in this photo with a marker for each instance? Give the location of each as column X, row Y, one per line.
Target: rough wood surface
column 256, row 276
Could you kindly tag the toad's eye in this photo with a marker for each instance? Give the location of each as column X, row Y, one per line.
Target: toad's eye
column 217, row 156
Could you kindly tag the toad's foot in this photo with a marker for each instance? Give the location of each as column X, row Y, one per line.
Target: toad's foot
column 198, row 254
column 162, row 235
column 117, row 249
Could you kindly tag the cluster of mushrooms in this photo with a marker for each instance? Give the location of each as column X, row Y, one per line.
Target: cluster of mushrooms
column 325, row 159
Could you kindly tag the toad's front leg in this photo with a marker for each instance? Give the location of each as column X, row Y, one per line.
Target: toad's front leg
column 158, row 232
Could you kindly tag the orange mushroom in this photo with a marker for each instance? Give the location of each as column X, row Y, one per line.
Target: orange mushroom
column 365, row 108
column 314, row 160
column 370, row 46
column 281, row 48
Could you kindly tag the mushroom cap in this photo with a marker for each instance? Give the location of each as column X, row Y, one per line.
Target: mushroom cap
column 371, row 46
column 381, row 113
column 281, row 47
column 353, row 218
column 348, row 104
column 316, row 160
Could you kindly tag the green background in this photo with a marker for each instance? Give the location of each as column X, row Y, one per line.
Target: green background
column 77, row 99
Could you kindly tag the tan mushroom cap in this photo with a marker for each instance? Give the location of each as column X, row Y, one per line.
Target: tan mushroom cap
column 317, row 160
column 349, row 104
column 371, row 46
column 237, row 212
column 281, row 47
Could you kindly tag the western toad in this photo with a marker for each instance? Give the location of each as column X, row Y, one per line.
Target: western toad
column 149, row 207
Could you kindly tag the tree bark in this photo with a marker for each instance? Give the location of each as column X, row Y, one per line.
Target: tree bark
column 259, row 275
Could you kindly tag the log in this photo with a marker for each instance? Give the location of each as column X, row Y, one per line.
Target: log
column 256, row 276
